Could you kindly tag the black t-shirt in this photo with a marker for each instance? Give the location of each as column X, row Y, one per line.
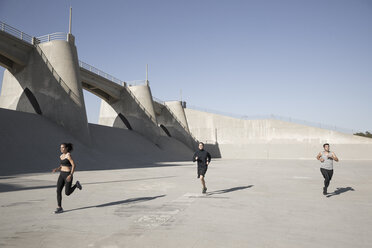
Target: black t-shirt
column 203, row 157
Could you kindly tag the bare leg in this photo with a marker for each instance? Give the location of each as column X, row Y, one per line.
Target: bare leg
column 202, row 181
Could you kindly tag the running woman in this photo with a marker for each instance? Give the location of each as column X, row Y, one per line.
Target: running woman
column 67, row 168
column 326, row 158
column 203, row 158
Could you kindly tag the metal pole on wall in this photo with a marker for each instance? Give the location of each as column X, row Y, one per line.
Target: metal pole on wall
column 69, row 26
column 147, row 74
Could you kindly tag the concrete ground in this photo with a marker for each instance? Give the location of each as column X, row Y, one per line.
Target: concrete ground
column 251, row 203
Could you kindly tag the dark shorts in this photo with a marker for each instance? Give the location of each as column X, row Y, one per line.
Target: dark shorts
column 202, row 171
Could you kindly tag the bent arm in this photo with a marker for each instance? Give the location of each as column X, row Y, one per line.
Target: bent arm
column 72, row 164
column 194, row 158
column 335, row 158
column 319, row 156
column 209, row 158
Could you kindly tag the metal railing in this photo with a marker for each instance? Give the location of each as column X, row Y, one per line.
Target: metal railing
column 136, row 82
column 110, row 77
column 100, row 73
column 30, row 39
column 15, row 32
column 50, row 37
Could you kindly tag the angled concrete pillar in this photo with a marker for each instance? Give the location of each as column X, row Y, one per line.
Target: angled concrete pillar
column 174, row 122
column 143, row 94
column 49, row 85
column 128, row 113
column 178, row 111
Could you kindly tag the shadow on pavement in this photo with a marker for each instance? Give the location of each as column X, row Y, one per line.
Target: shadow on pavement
column 7, row 177
column 5, row 187
column 131, row 200
column 224, row 191
column 340, row 191
column 130, row 180
column 8, row 187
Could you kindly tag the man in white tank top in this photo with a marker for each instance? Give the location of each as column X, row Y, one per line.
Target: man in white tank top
column 326, row 158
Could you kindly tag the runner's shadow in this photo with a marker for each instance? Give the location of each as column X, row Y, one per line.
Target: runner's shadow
column 340, row 191
column 224, row 191
column 127, row 201
column 130, row 180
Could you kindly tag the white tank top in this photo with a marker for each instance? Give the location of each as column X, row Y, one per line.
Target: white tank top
column 328, row 162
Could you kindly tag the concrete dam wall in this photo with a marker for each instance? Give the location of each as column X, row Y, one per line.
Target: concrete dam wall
column 42, row 104
column 272, row 139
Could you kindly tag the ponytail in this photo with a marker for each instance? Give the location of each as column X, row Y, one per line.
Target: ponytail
column 68, row 146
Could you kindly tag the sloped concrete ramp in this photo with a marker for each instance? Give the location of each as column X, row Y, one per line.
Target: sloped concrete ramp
column 30, row 143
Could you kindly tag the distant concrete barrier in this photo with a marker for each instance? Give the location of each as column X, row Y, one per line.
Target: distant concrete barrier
column 272, row 139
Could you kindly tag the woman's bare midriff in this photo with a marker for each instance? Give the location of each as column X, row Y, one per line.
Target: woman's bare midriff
column 65, row 168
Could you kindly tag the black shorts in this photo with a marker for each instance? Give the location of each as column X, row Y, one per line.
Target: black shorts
column 202, row 171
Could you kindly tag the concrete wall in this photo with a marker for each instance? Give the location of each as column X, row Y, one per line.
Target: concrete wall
column 29, row 143
column 265, row 139
column 51, row 81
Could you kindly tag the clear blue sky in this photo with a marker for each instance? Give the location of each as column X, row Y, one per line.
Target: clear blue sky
column 309, row 60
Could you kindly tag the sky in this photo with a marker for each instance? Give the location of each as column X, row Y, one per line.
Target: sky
column 307, row 60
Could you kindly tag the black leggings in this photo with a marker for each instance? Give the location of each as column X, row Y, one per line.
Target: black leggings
column 63, row 182
column 327, row 174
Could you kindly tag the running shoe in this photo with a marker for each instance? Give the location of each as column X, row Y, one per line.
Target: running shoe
column 204, row 190
column 325, row 191
column 78, row 185
column 58, row 211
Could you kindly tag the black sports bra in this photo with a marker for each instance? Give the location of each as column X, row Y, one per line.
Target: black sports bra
column 65, row 162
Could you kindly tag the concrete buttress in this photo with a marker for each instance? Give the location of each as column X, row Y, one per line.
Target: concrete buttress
column 49, row 85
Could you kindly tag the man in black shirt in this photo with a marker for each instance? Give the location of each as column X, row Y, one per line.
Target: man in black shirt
column 203, row 158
